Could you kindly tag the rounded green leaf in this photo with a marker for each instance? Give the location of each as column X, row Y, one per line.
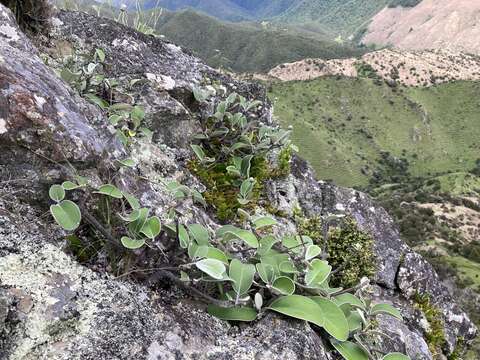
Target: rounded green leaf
column 152, row 227
column 197, row 252
column 262, row 222
column 350, row 351
column 132, row 244
column 355, row 321
column 82, row 181
column 334, row 320
column 348, row 299
column 137, row 225
column 296, row 244
column 110, row 190
column 284, row 285
column 312, row 251
column 132, row 201
column 214, row 253
column 69, row 185
column 221, row 231
column 318, row 273
column 67, row 214
column 56, row 193
column 386, row 309
column 101, row 54
column 244, row 235
column 288, row 267
column 199, row 233
column 134, row 215
column 127, row 162
column 183, row 237
column 212, row 267
column 299, row 307
column 266, row 272
column 233, row 313
column 137, row 115
column 198, row 151
column 396, row 356
column 266, row 243
column 242, row 276
column 275, row 259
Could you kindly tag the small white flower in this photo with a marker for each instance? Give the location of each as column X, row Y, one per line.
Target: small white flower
column 123, row 7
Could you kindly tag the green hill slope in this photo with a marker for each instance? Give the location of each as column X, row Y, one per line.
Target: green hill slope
column 340, row 16
column 245, row 47
column 351, row 129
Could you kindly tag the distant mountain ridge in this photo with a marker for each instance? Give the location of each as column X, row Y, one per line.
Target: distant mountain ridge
column 230, row 10
column 246, row 47
column 342, row 16
column 406, row 24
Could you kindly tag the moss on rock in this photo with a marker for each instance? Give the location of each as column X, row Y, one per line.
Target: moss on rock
column 350, row 250
column 435, row 336
column 222, row 191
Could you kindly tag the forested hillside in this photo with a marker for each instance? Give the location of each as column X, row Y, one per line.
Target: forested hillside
column 246, row 47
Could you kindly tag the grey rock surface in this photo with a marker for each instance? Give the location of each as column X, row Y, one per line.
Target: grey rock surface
column 52, row 307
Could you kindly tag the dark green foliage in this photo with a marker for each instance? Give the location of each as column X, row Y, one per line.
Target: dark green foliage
column 476, row 169
column 404, row 3
column 246, row 47
column 338, row 16
column 365, row 70
column 222, row 192
column 351, row 250
column 471, row 251
column 435, row 337
column 283, row 163
column 32, row 15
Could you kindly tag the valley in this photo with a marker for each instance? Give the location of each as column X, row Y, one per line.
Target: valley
column 247, row 47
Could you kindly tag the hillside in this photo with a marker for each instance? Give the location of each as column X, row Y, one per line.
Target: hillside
column 245, row 47
column 439, row 24
column 239, row 47
column 345, row 126
column 410, row 68
column 406, row 24
column 340, row 17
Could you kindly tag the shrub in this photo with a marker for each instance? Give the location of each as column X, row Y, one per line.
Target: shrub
column 350, row 250
column 254, row 269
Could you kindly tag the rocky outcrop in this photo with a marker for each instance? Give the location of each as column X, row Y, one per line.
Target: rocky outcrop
column 52, row 307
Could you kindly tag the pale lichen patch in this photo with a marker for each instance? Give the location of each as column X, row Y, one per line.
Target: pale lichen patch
column 40, row 101
column 9, row 32
column 3, row 126
column 162, row 81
